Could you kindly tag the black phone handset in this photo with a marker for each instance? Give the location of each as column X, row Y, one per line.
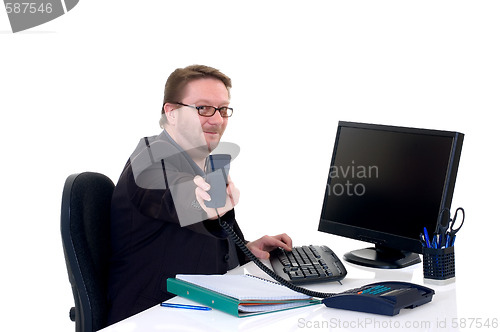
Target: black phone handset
column 384, row 298
column 217, row 171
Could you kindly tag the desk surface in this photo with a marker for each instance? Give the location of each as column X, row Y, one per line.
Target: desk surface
column 443, row 313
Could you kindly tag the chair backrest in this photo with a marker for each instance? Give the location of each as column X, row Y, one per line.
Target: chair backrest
column 85, row 231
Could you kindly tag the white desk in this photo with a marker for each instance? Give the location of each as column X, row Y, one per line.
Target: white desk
column 438, row 315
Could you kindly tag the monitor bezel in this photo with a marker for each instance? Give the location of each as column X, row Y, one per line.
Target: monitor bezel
column 386, row 240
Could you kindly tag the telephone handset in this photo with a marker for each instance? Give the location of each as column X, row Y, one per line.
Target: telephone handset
column 217, row 171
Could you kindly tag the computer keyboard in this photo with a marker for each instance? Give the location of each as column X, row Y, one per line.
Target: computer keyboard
column 307, row 264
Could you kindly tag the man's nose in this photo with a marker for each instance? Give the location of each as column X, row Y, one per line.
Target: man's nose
column 216, row 118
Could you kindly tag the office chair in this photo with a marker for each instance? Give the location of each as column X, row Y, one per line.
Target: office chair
column 85, row 224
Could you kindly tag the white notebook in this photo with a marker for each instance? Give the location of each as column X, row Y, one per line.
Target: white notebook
column 244, row 287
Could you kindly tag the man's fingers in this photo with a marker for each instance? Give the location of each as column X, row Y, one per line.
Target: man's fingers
column 201, row 183
column 202, row 194
column 287, row 240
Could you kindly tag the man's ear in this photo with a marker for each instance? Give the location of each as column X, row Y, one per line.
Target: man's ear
column 170, row 113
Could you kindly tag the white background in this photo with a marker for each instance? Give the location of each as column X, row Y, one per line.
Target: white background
column 77, row 93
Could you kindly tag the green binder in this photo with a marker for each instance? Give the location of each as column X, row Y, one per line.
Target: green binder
column 216, row 297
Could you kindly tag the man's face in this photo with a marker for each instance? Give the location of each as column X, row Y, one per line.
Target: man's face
column 200, row 132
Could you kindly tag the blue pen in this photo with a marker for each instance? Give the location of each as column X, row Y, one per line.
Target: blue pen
column 426, row 235
column 452, row 240
column 184, row 306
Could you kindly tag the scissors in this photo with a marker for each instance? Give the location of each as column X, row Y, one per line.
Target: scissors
column 450, row 236
column 446, row 230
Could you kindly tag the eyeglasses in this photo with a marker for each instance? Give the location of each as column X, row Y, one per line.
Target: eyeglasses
column 208, row 111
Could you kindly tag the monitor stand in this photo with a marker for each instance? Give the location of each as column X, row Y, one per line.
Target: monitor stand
column 382, row 257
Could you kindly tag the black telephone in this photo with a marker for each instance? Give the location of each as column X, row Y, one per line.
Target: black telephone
column 217, row 171
column 384, row 298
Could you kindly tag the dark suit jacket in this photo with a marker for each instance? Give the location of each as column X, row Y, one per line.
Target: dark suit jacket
column 148, row 243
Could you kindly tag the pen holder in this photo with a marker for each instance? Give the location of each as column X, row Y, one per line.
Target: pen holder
column 439, row 264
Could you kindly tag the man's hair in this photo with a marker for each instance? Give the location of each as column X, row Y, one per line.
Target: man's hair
column 177, row 81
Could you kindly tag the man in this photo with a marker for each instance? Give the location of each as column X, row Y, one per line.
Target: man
column 160, row 225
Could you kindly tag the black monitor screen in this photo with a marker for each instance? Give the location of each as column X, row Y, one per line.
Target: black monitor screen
column 386, row 183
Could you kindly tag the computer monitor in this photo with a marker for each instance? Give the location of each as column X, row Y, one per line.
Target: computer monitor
column 385, row 184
